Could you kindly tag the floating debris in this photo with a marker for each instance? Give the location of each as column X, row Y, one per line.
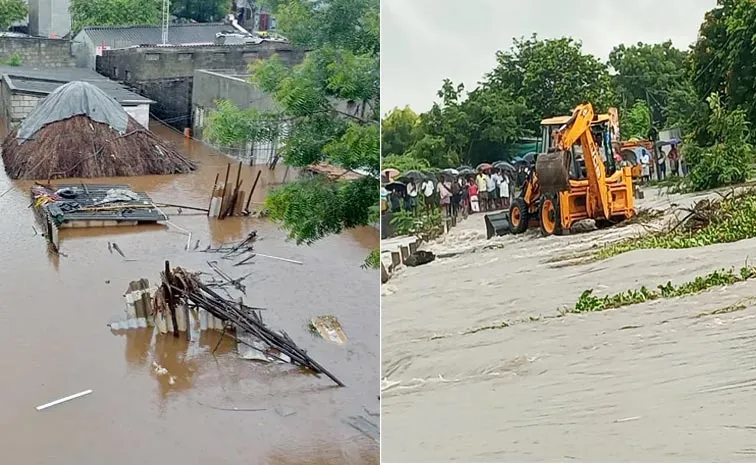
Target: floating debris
column 65, row 399
column 329, row 328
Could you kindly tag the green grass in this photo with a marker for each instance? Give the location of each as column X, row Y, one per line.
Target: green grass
column 730, row 219
column 588, row 302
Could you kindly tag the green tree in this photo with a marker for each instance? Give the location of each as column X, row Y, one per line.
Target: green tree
column 11, row 11
column 636, row 122
column 724, row 57
column 551, row 76
column 404, row 163
column 399, row 131
column 730, row 158
column 650, row 73
column 330, row 103
column 114, row 12
column 203, row 11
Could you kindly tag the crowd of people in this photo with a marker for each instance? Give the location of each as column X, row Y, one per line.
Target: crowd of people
column 455, row 194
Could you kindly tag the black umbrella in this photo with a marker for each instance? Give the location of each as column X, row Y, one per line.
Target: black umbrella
column 529, row 157
column 465, row 168
column 503, row 165
column 466, row 172
column 415, row 175
column 396, row 186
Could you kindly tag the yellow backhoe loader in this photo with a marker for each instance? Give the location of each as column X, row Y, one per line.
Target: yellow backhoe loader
column 570, row 181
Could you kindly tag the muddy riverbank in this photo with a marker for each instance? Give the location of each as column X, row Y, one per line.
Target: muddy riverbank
column 661, row 381
column 55, row 341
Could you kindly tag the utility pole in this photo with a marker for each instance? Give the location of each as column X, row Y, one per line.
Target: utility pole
column 166, row 19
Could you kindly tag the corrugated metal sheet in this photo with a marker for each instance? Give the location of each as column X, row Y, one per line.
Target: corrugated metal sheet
column 44, row 81
column 178, row 34
column 90, row 194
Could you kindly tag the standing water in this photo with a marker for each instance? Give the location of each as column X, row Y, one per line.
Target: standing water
column 55, row 340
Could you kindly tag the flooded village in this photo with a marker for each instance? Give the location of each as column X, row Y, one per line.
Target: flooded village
column 80, row 230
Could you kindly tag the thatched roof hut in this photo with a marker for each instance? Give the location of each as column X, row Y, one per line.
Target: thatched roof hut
column 78, row 131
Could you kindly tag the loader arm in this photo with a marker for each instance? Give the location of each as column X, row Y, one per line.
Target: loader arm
column 578, row 130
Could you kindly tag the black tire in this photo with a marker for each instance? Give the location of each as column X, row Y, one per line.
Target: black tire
column 557, row 218
column 518, row 216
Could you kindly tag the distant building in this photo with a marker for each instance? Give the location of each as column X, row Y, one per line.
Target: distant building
column 165, row 73
column 49, row 18
column 90, row 42
column 22, row 88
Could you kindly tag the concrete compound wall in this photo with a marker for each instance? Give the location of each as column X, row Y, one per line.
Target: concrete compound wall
column 165, row 74
column 38, row 52
column 209, row 87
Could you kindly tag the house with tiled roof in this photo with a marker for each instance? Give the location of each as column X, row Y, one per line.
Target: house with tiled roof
column 92, row 40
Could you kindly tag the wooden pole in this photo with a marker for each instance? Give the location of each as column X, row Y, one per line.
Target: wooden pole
column 225, row 185
column 249, row 199
column 212, row 193
column 169, row 298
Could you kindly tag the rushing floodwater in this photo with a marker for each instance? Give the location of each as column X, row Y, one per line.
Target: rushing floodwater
column 668, row 380
column 55, row 342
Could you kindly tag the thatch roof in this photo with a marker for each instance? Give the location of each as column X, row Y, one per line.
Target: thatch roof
column 80, row 132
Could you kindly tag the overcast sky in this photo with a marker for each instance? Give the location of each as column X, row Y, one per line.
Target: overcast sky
column 425, row 41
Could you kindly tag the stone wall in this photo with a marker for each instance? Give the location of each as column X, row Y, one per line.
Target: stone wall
column 38, row 52
column 165, row 74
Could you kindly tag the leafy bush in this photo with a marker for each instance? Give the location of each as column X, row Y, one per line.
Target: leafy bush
column 730, row 159
column 424, row 223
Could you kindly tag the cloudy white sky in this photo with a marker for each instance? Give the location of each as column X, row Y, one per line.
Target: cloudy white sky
column 425, row 41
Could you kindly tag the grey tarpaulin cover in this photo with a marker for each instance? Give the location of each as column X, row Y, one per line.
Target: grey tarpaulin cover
column 72, row 99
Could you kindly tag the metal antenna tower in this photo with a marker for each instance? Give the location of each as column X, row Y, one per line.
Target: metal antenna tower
column 166, row 19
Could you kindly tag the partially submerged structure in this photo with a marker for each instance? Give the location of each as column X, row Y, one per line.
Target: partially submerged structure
column 78, row 131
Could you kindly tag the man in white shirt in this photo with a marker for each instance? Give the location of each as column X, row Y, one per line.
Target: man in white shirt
column 428, row 190
column 645, row 161
column 491, row 187
column 504, row 191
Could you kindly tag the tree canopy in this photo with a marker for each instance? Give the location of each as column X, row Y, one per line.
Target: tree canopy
column 724, row 57
column 654, row 85
column 649, row 73
column 330, row 104
column 11, row 11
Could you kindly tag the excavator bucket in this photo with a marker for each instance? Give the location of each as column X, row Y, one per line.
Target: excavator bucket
column 552, row 170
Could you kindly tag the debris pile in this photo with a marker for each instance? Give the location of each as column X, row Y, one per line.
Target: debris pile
column 183, row 301
column 180, row 286
column 227, row 199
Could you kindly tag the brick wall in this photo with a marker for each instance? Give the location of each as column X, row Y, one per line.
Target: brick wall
column 20, row 106
column 38, row 52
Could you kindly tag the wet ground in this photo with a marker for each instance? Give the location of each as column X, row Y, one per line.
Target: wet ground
column 55, row 341
column 670, row 380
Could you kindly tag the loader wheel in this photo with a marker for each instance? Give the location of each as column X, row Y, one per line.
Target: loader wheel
column 518, row 216
column 549, row 216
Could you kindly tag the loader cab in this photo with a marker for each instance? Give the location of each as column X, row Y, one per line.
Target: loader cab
column 601, row 134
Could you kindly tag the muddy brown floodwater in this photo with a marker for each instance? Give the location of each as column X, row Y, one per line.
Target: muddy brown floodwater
column 54, row 341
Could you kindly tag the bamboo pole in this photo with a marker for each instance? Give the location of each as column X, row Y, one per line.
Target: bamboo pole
column 212, row 193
